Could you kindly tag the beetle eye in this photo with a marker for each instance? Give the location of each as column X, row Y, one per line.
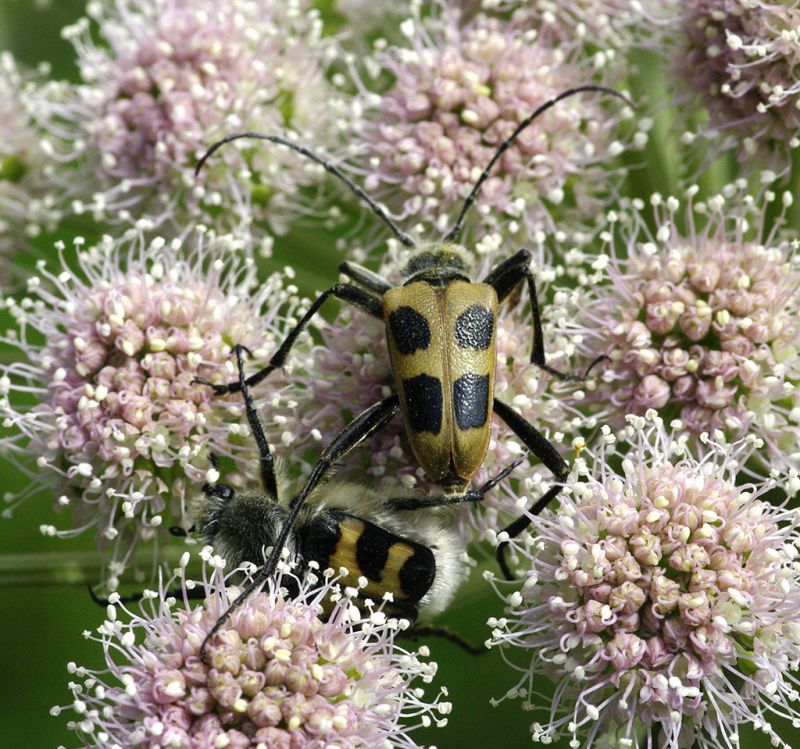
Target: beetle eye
column 223, row 491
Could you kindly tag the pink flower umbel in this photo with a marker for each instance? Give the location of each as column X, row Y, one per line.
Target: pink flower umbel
column 371, row 17
column 741, row 60
column 276, row 675
column 700, row 322
column 103, row 393
column 609, row 26
column 27, row 203
column 660, row 597
column 458, row 92
column 164, row 79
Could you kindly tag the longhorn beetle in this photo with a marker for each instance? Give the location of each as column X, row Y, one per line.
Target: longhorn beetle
column 441, row 331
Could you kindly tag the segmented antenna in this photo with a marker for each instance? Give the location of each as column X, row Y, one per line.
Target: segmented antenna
column 506, row 144
column 326, row 165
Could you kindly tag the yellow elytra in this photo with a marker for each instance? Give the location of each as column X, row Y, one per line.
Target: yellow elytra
column 441, row 334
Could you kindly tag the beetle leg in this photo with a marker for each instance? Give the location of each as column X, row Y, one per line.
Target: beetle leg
column 542, row 449
column 365, row 277
column 533, row 440
column 516, row 527
column 265, row 456
column 259, row 576
column 501, row 277
column 346, row 292
column 472, row 496
column 351, row 436
column 504, row 278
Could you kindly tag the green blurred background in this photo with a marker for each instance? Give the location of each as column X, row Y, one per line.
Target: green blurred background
column 42, row 620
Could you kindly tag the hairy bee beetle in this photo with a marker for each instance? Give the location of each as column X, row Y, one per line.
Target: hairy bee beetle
column 417, row 557
column 441, row 329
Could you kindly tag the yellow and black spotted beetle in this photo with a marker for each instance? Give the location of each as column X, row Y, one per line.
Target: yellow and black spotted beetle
column 441, row 330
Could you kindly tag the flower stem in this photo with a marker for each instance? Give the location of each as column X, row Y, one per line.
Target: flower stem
column 70, row 567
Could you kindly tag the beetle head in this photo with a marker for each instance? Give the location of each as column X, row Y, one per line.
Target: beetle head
column 436, row 262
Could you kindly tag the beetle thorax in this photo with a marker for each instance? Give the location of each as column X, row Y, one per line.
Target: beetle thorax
column 436, row 263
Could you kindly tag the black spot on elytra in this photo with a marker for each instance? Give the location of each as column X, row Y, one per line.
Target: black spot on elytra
column 471, row 400
column 409, row 329
column 475, row 328
column 424, row 403
column 372, row 551
column 417, row 574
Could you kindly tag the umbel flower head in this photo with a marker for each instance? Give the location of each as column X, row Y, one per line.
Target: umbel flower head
column 371, row 17
column 276, row 675
column 103, row 393
column 700, row 322
column 662, row 595
column 459, row 90
column 27, row 206
column 609, row 26
column 742, row 60
column 164, row 79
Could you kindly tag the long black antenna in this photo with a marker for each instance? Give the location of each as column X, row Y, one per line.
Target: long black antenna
column 330, row 168
column 506, row 144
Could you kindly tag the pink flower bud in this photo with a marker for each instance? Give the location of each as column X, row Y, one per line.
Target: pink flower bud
column 662, row 316
column 664, row 593
column 695, row 323
column 625, row 651
column 626, row 598
column 652, row 392
column 684, row 388
column 168, row 687
column 646, row 548
column 704, row 276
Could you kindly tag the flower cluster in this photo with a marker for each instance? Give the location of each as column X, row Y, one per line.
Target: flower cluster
column 701, row 325
column 609, row 26
column 171, row 77
column 275, row 675
column 112, row 354
column 742, row 58
column 366, row 17
column 664, row 595
column 27, row 206
column 459, row 90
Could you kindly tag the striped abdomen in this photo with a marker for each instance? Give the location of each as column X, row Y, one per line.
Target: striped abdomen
column 389, row 562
